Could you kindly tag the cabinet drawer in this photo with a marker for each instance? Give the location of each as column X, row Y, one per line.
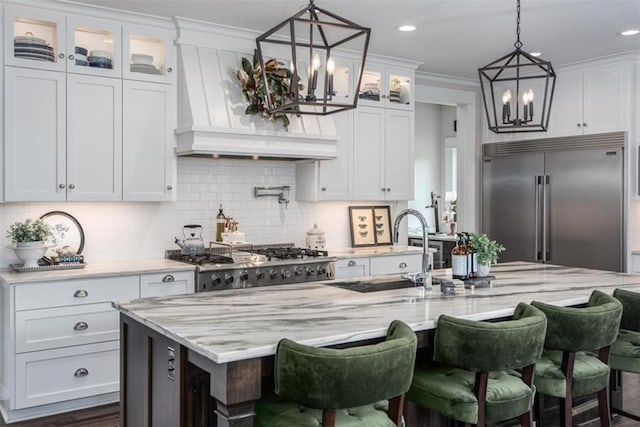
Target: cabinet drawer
column 352, row 267
column 154, row 285
column 74, row 292
column 66, row 326
column 68, row 373
column 407, row 263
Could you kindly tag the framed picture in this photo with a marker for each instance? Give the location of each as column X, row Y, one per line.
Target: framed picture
column 370, row 225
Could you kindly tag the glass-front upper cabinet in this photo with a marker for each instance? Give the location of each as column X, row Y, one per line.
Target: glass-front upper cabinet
column 385, row 87
column 149, row 54
column 34, row 38
column 94, row 46
column 47, row 40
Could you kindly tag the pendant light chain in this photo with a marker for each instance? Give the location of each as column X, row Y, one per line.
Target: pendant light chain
column 518, row 43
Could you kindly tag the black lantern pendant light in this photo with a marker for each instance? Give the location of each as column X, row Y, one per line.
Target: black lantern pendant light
column 517, row 79
column 302, row 48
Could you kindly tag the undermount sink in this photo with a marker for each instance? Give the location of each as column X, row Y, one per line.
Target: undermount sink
column 373, row 286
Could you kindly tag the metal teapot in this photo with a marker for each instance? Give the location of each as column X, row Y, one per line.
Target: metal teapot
column 192, row 243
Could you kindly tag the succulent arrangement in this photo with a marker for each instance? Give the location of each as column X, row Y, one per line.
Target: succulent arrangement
column 255, row 91
column 29, row 230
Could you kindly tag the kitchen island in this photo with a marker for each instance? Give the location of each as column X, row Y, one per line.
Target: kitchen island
column 224, row 342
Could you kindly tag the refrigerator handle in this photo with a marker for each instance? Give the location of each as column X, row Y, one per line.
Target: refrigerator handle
column 537, row 225
column 545, row 219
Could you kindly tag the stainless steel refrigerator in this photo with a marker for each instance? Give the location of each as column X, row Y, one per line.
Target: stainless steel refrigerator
column 557, row 200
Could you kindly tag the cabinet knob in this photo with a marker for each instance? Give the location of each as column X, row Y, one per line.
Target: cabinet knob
column 383, row 189
column 388, row 188
column 383, row 96
column 402, row 265
column 61, row 55
column 168, row 278
column 71, row 57
column 72, row 186
column 80, row 326
column 169, row 69
column 579, row 124
column 61, row 185
column 584, row 125
column 169, row 187
column 352, row 263
column 82, row 372
column 80, row 293
column 324, row 189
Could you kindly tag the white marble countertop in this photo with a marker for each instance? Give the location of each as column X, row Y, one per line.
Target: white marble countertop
column 342, row 253
column 96, row 270
column 240, row 324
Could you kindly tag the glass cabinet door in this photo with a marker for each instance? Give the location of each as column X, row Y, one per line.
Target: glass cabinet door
column 94, row 47
column 148, row 54
column 399, row 91
column 34, row 38
column 371, row 91
column 342, row 81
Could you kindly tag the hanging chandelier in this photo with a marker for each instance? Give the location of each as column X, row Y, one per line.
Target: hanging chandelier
column 509, row 87
column 302, row 50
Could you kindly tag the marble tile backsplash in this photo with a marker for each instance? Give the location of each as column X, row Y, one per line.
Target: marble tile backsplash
column 123, row 231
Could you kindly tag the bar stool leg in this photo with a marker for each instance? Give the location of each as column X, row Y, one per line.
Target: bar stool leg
column 603, row 407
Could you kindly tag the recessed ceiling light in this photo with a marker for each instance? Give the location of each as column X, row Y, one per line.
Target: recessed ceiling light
column 629, row 32
column 406, row 28
column 536, row 54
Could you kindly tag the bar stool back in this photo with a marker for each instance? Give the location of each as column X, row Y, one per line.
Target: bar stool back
column 341, row 387
column 476, row 381
column 575, row 360
column 625, row 351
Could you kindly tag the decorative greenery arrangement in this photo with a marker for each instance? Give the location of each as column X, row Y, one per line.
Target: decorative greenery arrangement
column 255, row 91
column 29, row 231
column 486, row 250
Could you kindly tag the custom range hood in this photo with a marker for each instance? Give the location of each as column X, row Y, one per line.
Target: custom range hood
column 211, row 108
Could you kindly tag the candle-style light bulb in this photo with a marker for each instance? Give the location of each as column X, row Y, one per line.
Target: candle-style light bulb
column 530, row 96
column 331, row 67
column 315, row 63
column 506, row 106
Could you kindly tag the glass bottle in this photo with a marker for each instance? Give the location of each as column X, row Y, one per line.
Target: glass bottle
column 220, row 221
column 459, row 260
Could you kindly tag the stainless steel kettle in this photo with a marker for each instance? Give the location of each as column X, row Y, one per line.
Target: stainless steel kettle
column 192, row 244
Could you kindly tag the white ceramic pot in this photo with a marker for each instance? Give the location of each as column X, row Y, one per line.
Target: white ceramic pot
column 30, row 252
column 483, row 270
column 315, row 238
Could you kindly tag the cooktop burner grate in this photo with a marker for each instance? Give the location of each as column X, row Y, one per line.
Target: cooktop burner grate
column 206, row 258
column 289, row 253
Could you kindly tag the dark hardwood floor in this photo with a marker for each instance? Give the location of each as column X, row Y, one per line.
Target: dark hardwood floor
column 108, row 416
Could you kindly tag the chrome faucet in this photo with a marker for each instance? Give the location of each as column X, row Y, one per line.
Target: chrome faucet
column 424, row 277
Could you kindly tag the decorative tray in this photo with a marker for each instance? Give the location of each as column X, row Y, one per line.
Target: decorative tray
column 479, row 282
column 45, row 266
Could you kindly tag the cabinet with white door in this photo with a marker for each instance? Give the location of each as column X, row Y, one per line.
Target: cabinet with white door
column 383, row 154
column 385, row 86
column 360, row 266
column 60, row 339
column 63, row 136
column 592, row 100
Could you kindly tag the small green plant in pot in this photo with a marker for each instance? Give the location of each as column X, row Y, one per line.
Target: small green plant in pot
column 29, row 237
column 486, row 250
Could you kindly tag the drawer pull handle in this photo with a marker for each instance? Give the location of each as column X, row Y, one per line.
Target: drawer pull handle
column 82, row 372
column 351, row 263
column 168, row 278
column 80, row 326
column 403, row 265
column 80, row 293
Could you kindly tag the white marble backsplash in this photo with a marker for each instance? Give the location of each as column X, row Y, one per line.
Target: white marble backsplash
column 121, row 231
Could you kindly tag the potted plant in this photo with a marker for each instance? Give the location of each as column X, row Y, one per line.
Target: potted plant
column 28, row 238
column 486, row 250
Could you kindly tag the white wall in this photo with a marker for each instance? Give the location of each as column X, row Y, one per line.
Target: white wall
column 124, row 231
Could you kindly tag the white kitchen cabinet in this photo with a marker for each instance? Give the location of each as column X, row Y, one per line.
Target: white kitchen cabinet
column 159, row 48
column 635, row 263
column 329, row 179
column 352, row 267
column 63, row 33
column 148, row 141
column 388, row 87
column 153, row 285
column 396, row 264
column 593, row 100
column 383, row 154
column 63, row 136
column 60, row 339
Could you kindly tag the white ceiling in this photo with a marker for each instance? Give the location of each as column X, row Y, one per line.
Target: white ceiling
column 454, row 37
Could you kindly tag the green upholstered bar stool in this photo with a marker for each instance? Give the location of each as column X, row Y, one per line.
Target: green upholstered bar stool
column 341, row 387
column 575, row 360
column 625, row 351
column 476, row 382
